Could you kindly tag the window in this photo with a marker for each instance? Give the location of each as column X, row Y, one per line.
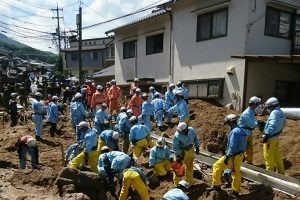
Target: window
column 155, row 44
column 278, row 23
column 93, row 55
column 212, row 25
column 111, row 52
column 74, row 56
column 206, row 88
column 129, row 49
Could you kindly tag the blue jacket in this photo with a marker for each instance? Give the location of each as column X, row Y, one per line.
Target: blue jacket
column 52, row 112
column 275, row 123
column 169, row 100
column 141, row 173
column 152, row 95
column 158, row 155
column 100, row 117
column 247, row 121
column 237, row 141
column 184, row 91
column 73, row 149
column 77, row 111
column 175, row 194
column 147, row 108
column 89, row 140
column 158, row 105
column 138, row 132
column 182, row 110
column 120, row 116
column 185, row 141
column 37, row 107
column 125, row 124
column 119, row 160
column 106, row 136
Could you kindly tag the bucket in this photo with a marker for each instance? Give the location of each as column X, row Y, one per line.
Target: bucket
column 152, row 178
column 178, row 168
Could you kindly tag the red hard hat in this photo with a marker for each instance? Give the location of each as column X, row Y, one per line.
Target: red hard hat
column 178, row 168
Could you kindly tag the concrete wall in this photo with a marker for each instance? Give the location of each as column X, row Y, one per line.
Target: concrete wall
column 210, row 58
column 148, row 66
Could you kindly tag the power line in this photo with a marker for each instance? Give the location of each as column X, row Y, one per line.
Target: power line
column 24, row 21
column 34, row 5
column 24, row 27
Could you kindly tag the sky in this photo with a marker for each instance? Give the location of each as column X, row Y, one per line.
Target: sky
column 31, row 21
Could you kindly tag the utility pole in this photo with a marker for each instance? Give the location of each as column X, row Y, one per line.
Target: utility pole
column 79, row 26
column 58, row 27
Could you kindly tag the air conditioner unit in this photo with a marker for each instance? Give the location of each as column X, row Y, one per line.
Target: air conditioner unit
column 230, row 70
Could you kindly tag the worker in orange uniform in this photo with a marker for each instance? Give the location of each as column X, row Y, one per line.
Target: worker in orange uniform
column 107, row 87
column 134, row 86
column 90, row 90
column 114, row 94
column 98, row 98
column 136, row 102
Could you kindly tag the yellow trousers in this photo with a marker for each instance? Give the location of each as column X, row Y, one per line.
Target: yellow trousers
column 139, row 145
column 79, row 159
column 273, row 156
column 101, row 143
column 249, row 149
column 188, row 160
column 162, row 168
column 132, row 178
column 234, row 164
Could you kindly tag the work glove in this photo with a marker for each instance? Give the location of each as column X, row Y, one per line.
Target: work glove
column 86, row 158
column 197, row 150
column 265, row 139
column 226, row 160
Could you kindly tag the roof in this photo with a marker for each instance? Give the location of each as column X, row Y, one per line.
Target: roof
column 151, row 16
column 110, row 71
column 270, row 58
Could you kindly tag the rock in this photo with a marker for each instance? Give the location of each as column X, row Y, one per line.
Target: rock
column 68, row 189
column 76, row 196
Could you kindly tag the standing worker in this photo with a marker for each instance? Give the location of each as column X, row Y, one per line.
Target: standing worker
column 134, row 85
column 184, row 91
column 248, row 123
column 125, row 124
column 23, row 95
column 147, row 111
column 152, row 92
column 160, row 158
column 100, row 119
column 27, row 144
column 181, row 108
column 185, row 139
column 273, row 129
column 158, row 106
column 107, row 87
column 114, row 93
column 77, row 114
column 37, row 115
column 13, row 110
column 178, row 193
column 136, row 102
column 89, row 155
column 136, row 178
column 236, row 146
column 52, row 114
column 169, row 101
column 98, row 98
column 90, row 90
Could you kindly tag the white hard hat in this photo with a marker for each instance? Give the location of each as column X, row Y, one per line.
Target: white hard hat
column 67, row 88
column 115, row 135
column 93, row 84
column 99, row 87
column 82, row 124
column 54, row 98
column 181, row 126
column 254, row 100
column 138, row 90
column 88, row 81
column 123, row 109
column 31, row 142
column 151, row 88
column 133, row 118
column 179, row 83
column 179, row 93
column 38, row 94
column 129, row 111
column 272, row 101
column 157, row 94
column 13, row 94
column 104, row 148
column 230, row 118
column 136, row 79
column 171, row 85
column 161, row 142
column 113, row 81
column 144, row 95
column 104, row 105
column 78, row 95
column 184, row 184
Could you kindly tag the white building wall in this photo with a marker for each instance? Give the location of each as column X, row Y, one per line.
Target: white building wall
column 210, row 58
column 148, row 66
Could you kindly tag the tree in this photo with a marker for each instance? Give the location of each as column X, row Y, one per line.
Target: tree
column 58, row 68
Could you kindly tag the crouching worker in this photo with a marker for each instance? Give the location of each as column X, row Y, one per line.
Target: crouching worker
column 89, row 155
column 27, row 144
column 160, row 158
column 140, row 137
column 110, row 139
column 136, row 178
column 178, row 193
column 73, row 151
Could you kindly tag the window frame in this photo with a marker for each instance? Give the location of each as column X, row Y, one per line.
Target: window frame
column 155, row 41
column 92, row 55
column 128, row 43
column 211, row 14
column 290, row 25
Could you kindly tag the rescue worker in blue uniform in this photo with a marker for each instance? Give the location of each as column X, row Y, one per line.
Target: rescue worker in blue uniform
column 152, row 92
column 181, row 108
column 236, row 146
column 178, row 193
column 185, row 139
column 77, row 114
column 160, row 158
column 100, row 119
column 52, row 114
column 89, row 155
column 273, row 129
column 72, row 152
column 147, row 111
column 185, row 93
column 37, row 115
column 158, row 105
column 248, row 123
column 125, row 125
column 108, row 138
column 169, row 102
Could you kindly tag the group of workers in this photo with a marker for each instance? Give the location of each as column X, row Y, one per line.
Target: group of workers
column 97, row 147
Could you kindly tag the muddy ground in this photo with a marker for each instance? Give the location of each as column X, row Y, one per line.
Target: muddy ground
column 53, row 181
